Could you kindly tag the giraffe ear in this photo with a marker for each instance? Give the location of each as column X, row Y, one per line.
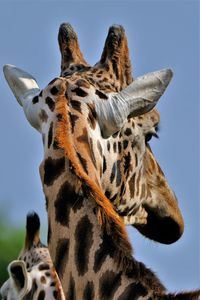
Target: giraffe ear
column 136, row 99
column 24, row 88
column 20, row 277
column 22, row 84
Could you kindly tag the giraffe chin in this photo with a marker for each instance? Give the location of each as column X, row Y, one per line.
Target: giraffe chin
column 169, row 229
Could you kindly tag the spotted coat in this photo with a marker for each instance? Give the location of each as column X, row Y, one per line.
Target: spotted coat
column 94, row 181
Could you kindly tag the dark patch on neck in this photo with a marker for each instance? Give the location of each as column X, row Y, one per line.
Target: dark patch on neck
column 92, row 153
column 136, row 160
column 83, row 244
column 107, row 194
column 108, row 146
column 119, row 147
column 114, row 147
column 92, row 115
column 50, row 135
column 106, row 248
column 83, row 162
column 73, row 118
column 66, row 199
column 89, row 292
column 88, row 144
column 53, row 168
column 108, row 285
column 133, row 291
column 132, row 185
column 76, row 105
column 113, row 198
column 127, row 161
column 125, row 144
column 113, row 173
column 62, row 251
column 100, row 148
column 104, row 164
column 119, row 176
column 140, row 273
column 71, row 293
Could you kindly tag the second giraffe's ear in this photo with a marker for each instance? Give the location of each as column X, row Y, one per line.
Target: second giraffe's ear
column 20, row 277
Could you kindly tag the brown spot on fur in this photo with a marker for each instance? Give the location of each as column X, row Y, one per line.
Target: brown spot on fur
column 92, row 116
column 101, row 95
column 43, row 116
column 80, row 92
column 132, row 186
column 73, row 119
column 43, row 280
column 99, row 148
column 83, row 83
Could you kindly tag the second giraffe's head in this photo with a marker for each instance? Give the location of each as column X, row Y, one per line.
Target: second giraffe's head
column 107, row 119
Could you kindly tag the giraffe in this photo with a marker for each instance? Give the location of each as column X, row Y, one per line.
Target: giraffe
column 32, row 275
column 98, row 171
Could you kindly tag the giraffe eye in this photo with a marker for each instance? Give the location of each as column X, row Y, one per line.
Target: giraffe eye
column 149, row 136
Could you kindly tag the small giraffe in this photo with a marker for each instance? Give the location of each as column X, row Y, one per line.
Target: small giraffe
column 32, row 275
column 99, row 171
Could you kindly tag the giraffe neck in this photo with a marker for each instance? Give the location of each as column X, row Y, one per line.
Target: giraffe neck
column 92, row 252
column 85, row 257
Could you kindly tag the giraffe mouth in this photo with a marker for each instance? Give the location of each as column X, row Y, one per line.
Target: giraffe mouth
column 162, row 229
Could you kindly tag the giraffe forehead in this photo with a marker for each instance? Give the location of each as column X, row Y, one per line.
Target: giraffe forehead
column 36, row 255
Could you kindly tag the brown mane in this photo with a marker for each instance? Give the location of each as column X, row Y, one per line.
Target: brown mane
column 107, row 217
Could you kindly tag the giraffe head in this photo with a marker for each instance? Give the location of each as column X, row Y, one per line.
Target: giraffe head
column 107, row 119
column 32, row 275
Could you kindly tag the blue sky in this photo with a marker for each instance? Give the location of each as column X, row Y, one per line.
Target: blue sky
column 160, row 34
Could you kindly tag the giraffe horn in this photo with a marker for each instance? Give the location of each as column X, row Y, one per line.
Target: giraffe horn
column 116, row 57
column 69, row 47
column 136, row 99
column 22, row 84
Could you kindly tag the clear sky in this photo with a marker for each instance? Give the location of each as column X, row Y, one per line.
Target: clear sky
column 160, row 34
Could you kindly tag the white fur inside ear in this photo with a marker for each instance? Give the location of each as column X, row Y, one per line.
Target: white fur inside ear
column 22, row 84
column 20, row 278
column 24, row 88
